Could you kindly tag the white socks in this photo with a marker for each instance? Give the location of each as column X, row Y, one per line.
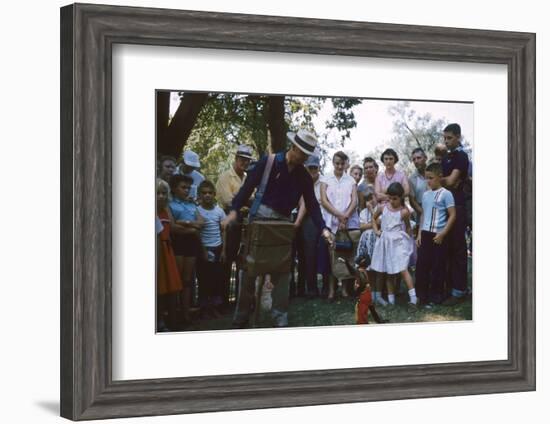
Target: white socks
column 379, row 300
column 412, row 296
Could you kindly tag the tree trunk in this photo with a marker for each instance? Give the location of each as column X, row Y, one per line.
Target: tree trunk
column 175, row 137
column 276, row 123
column 163, row 115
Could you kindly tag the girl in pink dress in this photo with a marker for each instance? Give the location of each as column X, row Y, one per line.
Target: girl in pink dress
column 394, row 247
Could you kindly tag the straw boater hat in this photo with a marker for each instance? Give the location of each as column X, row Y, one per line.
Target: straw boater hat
column 304, row 140
column 244, row 151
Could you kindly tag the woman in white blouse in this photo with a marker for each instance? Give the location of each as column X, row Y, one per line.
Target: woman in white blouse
column 339, row 201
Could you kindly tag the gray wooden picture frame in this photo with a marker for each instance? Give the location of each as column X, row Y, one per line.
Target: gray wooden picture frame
column 88, row 33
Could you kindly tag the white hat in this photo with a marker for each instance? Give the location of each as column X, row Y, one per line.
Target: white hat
column 190, row 158
column 244, row 151
column 304, row 140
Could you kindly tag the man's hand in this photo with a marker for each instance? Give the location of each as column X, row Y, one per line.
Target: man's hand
column 231, row 217
column 438, row 239
column 418, row 242
column 456, row 184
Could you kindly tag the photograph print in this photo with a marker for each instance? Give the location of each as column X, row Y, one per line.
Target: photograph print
column 298, row 211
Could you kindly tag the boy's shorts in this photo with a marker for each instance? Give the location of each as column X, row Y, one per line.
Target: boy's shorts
column 188, row 245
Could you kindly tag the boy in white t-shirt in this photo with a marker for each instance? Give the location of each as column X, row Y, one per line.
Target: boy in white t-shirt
column 209, row 269
column 436, row 220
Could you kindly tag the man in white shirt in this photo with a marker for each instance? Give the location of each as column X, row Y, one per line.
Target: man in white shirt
column 230, row 181
column 417, row 181
column 228, row 185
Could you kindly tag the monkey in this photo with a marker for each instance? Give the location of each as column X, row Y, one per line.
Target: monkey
column 364, row 303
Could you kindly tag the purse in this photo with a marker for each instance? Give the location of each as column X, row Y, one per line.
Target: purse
column 345, row 246
column 343, row 242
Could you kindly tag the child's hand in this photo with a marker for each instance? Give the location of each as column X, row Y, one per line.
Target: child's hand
column 438, row 239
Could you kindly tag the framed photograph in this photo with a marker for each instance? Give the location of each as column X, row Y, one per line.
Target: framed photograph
column 130, row 76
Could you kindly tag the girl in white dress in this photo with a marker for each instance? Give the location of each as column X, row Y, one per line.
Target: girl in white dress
column 393, row 247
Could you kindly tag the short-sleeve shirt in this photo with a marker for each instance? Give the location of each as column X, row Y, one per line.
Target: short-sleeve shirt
column 317, row 189
column 197, row 179
column 211, row 235
column 228, row 185
column 365, row 216
column 183, row 210
column 339, row 192
column 435, row 204
column 365, row 188
column 418, row 186
column 457, row 159
column 384, row 181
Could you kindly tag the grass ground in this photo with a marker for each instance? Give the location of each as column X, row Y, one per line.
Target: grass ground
column 318, row 312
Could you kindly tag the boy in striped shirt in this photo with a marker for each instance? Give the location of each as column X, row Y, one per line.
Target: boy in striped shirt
column 437, row 218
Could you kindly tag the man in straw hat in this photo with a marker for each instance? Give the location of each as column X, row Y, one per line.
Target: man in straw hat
column 288, row 181
column 228, row 185
column 230, row 181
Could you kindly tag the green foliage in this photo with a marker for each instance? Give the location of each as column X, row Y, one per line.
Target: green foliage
column 300, row 111
column 411, row 131
column 343, row 118
column 227, row 120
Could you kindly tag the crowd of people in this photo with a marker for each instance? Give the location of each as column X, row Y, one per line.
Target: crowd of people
column 417, row 222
